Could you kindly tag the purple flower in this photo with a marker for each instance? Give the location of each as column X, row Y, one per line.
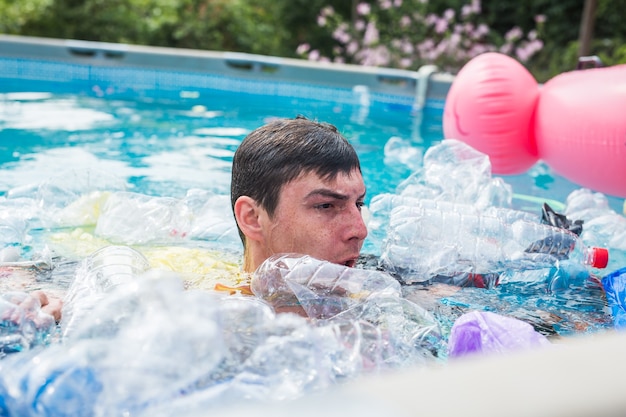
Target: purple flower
column 431, row 19
column 506, row 48
column 441, row 26
column 513, row 34
column 303, row 48
column 352, row 48
column 476, row 6
column 385, row 4
column 406, row 47
column 327, row 11
column 466, row 11
column 341, row 35
column 371, row 34
column 455, row 40
column 363, row 9
column 481, row 30
column 405, row 63
column 426, row 45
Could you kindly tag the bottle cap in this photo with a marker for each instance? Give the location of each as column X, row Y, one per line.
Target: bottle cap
column 600, row 258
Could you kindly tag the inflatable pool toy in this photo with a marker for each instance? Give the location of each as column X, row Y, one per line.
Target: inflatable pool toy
column 575, row 122
column 490, row 106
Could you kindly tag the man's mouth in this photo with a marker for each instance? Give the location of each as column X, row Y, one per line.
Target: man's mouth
column 350, row 263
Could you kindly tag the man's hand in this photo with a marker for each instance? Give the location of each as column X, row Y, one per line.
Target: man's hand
column 49, row 305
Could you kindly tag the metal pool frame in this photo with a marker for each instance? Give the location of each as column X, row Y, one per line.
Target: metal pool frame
column 184, row 73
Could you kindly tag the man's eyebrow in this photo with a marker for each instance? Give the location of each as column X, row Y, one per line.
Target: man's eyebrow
column 325, row 192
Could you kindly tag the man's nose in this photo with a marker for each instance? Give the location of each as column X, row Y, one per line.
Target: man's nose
column 358, row 228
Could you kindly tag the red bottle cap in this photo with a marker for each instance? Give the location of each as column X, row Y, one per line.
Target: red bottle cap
column 600, row 258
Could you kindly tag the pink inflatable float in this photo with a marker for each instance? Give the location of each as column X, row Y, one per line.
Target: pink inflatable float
column 575, row 123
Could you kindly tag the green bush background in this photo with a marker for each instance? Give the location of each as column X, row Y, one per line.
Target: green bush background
column 277, row 27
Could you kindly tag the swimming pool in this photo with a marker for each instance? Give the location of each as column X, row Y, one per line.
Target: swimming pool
column 74, row 128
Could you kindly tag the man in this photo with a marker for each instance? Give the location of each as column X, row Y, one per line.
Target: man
column 297, row 187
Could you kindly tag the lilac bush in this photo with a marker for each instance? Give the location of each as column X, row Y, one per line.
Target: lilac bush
column 404, row 34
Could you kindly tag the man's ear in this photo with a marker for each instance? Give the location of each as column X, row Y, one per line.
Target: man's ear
column 247, row 213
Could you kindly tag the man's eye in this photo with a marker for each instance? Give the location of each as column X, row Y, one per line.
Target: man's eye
column 360, row 204
column 324, row 206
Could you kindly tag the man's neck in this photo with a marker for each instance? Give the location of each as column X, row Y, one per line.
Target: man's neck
column 249, row 264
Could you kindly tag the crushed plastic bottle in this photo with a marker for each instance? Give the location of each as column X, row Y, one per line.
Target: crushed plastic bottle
column 96, row 275
column 150, row 345
column 11, row 256
column 212, row 219
column 314, row 288
column 341, row 295
column 454, row 171
column 51, row 382
column 13, row 230
column 448, row 242
column 383, row 205
column 141, row 345
column 132, row 219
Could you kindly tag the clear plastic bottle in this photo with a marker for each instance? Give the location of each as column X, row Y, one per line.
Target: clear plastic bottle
column 384, row 204
column 97, row 274
column 363, row 308
column 448, row 242
column 315, row 288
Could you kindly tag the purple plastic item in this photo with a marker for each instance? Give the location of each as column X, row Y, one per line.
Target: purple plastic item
column 486, row 332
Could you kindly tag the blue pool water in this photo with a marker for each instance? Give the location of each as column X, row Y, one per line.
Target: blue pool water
column 183, row 139
column 110, row 129
column 165, row 148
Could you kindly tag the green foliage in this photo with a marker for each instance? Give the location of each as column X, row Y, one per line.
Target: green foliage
column 233, row 25
column 253, row 26
column 278, row 27
column 562, row 17
column 14, row 14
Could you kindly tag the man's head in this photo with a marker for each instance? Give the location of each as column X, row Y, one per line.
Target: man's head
column 297, row 187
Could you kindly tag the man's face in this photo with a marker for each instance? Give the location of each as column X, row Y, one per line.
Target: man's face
column 318, row 217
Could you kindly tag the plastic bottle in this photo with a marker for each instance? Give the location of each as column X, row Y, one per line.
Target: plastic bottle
column 51, row 382
column 384, row 204
column 136, row 219
column 603, row 225
column 315, row 288
column 365, row 307
column 447, row 242
column 98, row 274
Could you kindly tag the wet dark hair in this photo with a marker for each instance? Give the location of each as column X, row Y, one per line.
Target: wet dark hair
column 282, row 150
